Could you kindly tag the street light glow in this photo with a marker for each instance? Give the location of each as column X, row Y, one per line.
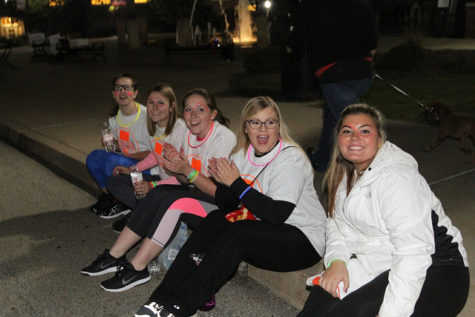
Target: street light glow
column 267, row 4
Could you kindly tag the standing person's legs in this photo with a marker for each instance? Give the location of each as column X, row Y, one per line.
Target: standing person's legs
column 338, row 96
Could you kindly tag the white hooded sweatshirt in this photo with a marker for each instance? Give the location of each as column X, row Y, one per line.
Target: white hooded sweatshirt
column 387, row 222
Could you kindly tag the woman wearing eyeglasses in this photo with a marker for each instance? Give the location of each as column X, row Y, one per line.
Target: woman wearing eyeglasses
column 187, row 195
column 128, row 122
column 269, row 176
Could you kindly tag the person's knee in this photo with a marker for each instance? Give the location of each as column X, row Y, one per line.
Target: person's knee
column 118, row 181
column 94, row 158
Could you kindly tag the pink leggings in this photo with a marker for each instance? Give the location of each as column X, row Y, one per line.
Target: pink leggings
column 170, row 218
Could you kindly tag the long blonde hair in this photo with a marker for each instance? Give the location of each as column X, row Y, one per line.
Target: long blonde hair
column 252, row 107
column 338, row 165
column 167, row 91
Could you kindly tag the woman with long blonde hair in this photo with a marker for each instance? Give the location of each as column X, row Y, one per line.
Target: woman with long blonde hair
column 267, row 176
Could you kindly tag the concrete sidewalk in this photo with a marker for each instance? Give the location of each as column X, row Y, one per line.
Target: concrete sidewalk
column 54, row 112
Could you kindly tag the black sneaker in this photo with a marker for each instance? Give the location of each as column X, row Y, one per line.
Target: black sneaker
column 115, row 210
column 104, row 201
column 152, row 309
column 126, row 278
column 119, row 225
column 105, row 263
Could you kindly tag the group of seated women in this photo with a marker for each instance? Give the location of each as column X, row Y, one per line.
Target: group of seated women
column 387, row 245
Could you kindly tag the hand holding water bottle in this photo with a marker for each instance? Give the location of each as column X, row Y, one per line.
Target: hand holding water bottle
column 140, row 187
column 108, row 137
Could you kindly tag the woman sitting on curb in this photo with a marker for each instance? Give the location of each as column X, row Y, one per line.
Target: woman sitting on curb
column 164, row 126
column 391, row 250
column 272, row 177
column 128, row 123
column 189, row 195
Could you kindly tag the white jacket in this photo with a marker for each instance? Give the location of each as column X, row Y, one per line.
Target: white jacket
column 385, row 222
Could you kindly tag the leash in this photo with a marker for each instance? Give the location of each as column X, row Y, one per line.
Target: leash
column 403, row 92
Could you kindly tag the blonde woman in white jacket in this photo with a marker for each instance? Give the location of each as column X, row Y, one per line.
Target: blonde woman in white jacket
column 391, row 250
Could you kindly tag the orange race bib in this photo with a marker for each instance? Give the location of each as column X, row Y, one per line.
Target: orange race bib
column 158, row 148
column 127, row 142
column 124, row 135
column 196, row 164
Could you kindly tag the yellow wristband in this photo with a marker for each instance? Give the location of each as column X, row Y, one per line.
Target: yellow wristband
column 194, row 177
column 336, row 260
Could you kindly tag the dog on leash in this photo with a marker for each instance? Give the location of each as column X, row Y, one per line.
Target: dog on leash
column 450, row 126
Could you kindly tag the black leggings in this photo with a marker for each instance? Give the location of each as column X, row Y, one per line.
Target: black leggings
column 281, row 248
column 156, row 221
column 121, row 187
column 443, row 294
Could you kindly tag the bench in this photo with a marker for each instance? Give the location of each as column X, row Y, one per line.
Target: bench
column 67, row 47
column 39, row 44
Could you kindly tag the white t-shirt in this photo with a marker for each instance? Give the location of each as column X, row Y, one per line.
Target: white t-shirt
column 219, row 143
column 131, row 131
column 175, row 138
column 288, row 177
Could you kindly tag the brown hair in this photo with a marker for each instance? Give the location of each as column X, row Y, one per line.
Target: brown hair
column 338, row 165
column 210, row 102
column 167, row 91
column 135, row 84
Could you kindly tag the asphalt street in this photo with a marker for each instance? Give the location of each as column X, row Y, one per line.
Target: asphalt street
column 47, row 235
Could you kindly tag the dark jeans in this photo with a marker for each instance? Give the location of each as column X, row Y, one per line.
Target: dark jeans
column 443, row 294
column 186, row 287
column 338, row 96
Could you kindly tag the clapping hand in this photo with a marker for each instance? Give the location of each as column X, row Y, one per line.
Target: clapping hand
column 223, row 171
column 175, row 161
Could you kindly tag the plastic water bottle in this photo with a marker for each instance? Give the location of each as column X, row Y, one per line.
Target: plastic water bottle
column 154, row 266
column 168, row 255
column 315, row 280
column 108, row 137
column 136, row 177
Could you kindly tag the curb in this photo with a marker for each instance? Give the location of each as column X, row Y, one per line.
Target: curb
column 61, row 159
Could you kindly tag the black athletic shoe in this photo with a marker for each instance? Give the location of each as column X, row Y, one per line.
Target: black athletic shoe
column 104, row 201
column 154, row 309
column 150, row 310
column 105, row 263
column 119, row 225
column 126, row 278
column 115, row 210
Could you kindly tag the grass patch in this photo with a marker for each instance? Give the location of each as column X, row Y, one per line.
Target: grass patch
column 456, row 89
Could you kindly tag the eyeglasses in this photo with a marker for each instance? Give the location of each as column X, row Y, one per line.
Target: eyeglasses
column 257, row 124
column 122, row 88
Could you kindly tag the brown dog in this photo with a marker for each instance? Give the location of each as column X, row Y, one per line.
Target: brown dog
column 450, row 126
